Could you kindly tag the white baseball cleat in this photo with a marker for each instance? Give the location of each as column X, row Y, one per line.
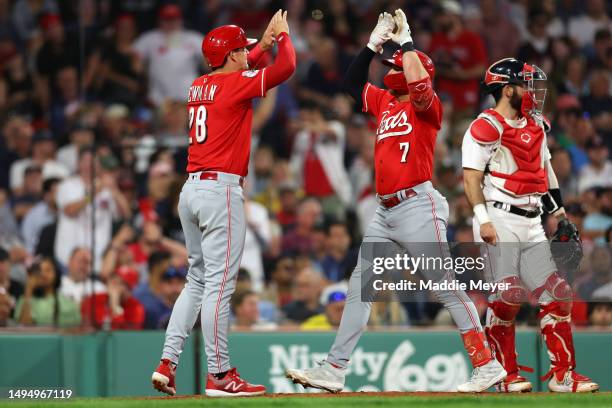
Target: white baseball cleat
column 484, row 377
column 514, row 383
column 572, row 382
column 325, row 377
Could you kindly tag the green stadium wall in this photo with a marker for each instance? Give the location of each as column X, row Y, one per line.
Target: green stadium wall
column 120, row 363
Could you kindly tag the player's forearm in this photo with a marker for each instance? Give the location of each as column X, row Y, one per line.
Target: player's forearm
column 256, row 55
column 284, row 63
column 553, row 201
column 413, row 68
column 356, row 76
column 472, row 183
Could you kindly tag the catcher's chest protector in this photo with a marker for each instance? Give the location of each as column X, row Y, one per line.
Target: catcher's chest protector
column 517, row 166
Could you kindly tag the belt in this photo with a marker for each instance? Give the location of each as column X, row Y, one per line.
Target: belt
column 214, row 175
column 394, row 199
column 516, row 210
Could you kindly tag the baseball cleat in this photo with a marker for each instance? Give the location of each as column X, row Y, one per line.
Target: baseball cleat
column 484, row 377
column 324, row 377
column 231, row 386
column 571, row 381
column 163, row 377
column 514, row 383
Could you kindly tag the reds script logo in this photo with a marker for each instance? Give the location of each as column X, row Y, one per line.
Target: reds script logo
column 389, row 124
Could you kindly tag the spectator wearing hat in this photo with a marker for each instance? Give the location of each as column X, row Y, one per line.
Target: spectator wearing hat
column 598, row 173
column 159, row 294
column 117, row 309
column 460, row 57
column 333, row 299
column 43, row 156
column 76, row 197
column 599, row 220
column 26, row 17
column 172, row 56
column 41, row 215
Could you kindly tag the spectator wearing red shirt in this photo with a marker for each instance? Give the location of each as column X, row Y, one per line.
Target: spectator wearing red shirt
column 460, row 58
column 117, row 309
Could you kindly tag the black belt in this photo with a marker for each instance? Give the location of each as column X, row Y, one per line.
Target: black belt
column 516, row 210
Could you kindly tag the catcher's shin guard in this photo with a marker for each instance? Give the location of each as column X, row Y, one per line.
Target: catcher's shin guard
column 477, row 348
column 557, row 332
column 500, row 332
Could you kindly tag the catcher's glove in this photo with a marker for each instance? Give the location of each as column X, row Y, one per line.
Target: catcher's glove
column 566, row 246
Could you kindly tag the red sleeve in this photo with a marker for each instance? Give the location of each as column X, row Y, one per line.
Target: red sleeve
column 432, row 114
column 372, row 98
column 284, row 63
column 258, row 58
column 255, row 82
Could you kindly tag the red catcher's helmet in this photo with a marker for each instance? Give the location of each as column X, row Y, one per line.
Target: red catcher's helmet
column 397, row 81
column 219, row 42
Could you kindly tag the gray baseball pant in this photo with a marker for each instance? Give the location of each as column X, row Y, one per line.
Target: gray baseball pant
column 418, row 226
column 213, row 220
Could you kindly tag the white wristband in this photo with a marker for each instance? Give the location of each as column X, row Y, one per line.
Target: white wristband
column 480, row 211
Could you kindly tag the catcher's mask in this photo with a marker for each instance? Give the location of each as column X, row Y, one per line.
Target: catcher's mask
column 512, row 71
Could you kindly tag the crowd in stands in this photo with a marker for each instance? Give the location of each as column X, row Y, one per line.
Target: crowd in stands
column 93, row 152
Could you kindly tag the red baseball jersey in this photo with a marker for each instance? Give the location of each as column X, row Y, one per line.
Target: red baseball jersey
column 405, row 139
column 220, row 112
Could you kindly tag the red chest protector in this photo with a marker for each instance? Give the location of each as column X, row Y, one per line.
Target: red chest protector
column 517, row 166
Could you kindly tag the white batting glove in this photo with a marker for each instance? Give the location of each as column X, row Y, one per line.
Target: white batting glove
column 382, row 32
column 402, row 35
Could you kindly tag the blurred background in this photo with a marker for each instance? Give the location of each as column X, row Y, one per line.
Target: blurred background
column 93, row 145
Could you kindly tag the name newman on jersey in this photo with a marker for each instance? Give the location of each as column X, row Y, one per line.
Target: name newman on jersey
column 390, row 123
column 201, row 93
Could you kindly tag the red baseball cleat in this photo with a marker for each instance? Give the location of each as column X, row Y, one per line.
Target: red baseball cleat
column 163, row 377
column 231, row 386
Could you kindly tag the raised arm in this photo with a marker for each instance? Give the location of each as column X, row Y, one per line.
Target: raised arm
column 356, row 76
column 257, row 56
column 419, row 83
column 285, row 61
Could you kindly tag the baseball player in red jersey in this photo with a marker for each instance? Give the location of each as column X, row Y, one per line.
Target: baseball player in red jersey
column 508, row 179
column 211, row 201
column 411, row 211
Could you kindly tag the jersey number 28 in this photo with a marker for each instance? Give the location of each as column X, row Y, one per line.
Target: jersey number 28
column 197, row 118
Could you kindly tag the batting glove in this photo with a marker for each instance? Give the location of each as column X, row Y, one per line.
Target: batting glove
column 402, row 35
column 382, row 32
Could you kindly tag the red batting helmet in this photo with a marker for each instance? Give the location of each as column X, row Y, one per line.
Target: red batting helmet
column 219, row 42
column 397, row 81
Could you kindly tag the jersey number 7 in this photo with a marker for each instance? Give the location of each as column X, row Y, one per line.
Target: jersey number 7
column 198, row 118
column 404, row 146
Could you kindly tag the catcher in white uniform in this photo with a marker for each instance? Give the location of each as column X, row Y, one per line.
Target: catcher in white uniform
column 509, row 180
